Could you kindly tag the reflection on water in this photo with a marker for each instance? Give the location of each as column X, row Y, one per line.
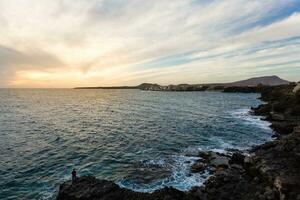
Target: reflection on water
column 135, row 138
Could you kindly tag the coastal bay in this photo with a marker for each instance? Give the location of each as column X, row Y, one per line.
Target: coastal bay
column 268, row 171
column 141, row 140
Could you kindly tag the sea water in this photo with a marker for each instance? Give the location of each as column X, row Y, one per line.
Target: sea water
column 142, row 140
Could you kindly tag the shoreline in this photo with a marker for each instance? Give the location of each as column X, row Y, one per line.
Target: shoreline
column 191, row 155
column 258, row 176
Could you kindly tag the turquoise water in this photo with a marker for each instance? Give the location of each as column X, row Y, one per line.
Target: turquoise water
column 139, row 139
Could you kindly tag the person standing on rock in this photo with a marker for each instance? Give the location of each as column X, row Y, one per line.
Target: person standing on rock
column 74, row 175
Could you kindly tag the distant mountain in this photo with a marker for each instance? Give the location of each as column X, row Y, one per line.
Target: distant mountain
column 264, row 80
column 248, row 85
column 236, row 86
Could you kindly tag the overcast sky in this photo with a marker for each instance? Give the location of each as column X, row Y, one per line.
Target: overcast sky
column 68, row 43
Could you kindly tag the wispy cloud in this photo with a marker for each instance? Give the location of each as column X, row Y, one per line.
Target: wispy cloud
column 107, row 42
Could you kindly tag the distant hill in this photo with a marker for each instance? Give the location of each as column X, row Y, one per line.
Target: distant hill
column 248, row 85
column 264, row 80
column 244, row 85
column 110, row 87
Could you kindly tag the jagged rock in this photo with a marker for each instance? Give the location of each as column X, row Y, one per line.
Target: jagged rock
column 206, row 155
column 237, row 158
column 198, row 167
column 90, row 188
column 220, row 161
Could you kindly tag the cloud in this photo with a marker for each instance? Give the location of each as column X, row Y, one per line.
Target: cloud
column 106, row 42
column 34, row 58
column 12, row 60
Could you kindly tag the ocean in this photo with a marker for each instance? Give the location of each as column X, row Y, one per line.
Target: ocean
column 142, row 140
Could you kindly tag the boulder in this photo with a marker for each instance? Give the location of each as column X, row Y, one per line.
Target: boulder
column 220, row 161
column 87, row 188
column 206, row 155
column 198, row 167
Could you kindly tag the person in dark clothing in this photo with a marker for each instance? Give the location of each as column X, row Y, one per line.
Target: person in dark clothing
column 74, row 175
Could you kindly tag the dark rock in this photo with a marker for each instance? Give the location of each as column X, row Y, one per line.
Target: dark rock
column 237, row 158
column 90, row 188
column 220, row 161
column 283, row 127
column 198, row 167
column 277, row 116
column 206, row 155
column 236, row 166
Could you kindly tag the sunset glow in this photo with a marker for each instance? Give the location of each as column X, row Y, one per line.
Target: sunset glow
column 111, row 42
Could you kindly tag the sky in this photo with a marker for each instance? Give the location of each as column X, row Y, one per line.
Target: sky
column 69, row 43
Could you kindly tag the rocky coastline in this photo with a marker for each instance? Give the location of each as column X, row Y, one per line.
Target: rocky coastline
column 266, row 172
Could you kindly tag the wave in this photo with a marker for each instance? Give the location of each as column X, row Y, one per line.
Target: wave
column 250, row 119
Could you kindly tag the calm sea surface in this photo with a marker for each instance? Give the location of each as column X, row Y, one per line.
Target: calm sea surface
column 139, row 139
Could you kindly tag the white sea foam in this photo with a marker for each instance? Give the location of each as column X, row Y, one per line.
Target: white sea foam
column 249, row 119
column 160, row 162
column 181, row 178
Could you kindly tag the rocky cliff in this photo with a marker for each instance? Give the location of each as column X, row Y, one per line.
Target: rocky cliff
column 90, row 188
column 282, row 107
